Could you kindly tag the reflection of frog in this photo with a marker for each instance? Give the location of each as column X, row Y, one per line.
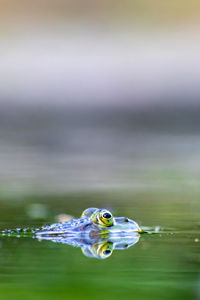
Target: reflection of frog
column 104, row 248
column 100, row 246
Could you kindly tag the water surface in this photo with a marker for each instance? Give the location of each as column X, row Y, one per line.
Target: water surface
column 163, row 265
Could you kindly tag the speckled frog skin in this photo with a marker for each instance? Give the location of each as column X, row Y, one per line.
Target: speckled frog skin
column 93, row 221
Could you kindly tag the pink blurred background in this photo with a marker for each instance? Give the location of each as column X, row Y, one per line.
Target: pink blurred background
column 100, row 53
column 98, row 95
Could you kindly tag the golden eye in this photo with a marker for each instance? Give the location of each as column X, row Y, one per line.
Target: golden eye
column 102, row 217
column 105, row 218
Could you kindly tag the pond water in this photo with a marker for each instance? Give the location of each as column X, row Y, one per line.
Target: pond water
column 164, row 265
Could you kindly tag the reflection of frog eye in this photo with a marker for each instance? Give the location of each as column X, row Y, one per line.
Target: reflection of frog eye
column 104, row 249
column 107, row 252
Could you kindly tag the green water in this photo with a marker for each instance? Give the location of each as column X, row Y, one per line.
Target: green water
column 160, row 266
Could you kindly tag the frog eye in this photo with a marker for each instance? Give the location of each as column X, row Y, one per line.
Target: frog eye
column 102, row 217
column 107, row 215
column 105, row 218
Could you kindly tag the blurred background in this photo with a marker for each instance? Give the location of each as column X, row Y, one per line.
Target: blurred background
column 99, row 106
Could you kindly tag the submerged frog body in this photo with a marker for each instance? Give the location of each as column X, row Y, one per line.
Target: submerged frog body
column 93, row 222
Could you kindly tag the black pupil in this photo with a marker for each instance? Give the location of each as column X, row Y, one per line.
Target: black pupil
column 107, row 252
column 107, row 216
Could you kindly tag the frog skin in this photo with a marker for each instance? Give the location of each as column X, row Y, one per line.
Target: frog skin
column 93, row 221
